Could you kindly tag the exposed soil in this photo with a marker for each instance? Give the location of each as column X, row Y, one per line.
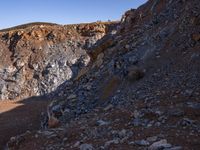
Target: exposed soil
column 117, row 120
column 16, row 117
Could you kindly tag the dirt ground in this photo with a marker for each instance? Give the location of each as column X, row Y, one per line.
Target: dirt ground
column 18, row 116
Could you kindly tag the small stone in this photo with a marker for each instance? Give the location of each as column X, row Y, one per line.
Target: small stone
column 157, row 124
column 162, row 144
column 187, row 122
column 135, row 74
column 122, row 133
column 137, row 122
column 12, row 139
column 195, row 56
column 36, row 136
column 136, row 114
column 176, row 112
column 65, row 140
column 56, row 108
column 131, row 143
column 194, row 105
column 47, row 133
column 86, row 147
column 189, row 92
column 108, row 107
column 152, row 139
column 114, row 32
column 88, row 87
column 157, row 112
column 127, row 46
column 175, row 148
column 102, row 123
column 72, row 96
column 108, row 143
column 142, row 143
column 77, row 144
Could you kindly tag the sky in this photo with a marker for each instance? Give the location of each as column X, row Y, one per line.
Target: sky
column 16, row 12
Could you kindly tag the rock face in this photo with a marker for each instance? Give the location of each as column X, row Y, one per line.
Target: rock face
column 139, row 89
column 37, row 58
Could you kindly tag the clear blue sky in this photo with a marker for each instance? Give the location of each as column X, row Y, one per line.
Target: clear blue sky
column 16, row 12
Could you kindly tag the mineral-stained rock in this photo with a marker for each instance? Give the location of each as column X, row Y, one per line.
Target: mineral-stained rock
column 53, row 122
column 196, row 36
column 44, row 54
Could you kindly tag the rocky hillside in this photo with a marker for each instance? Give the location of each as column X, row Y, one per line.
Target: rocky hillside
column 36, row 58
column 138, row 88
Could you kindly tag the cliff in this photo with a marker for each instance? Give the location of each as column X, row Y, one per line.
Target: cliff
column 36, row 58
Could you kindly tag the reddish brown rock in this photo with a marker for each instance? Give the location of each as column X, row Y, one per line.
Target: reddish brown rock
column 53, row 122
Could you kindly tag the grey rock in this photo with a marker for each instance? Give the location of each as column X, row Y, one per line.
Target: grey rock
column 175, row 148
column 3, row 89
column 142, row 143
column 86, row 147
column 137, row 122
column 162, row 144
column 108, row 143
column 152, row 139
column 176, row 112
column 186, row 122
column 102, row 123
column 194, row 105
column 136, row 114
column 72, row 96
column 77, row 144
column 188, row 92
column 122, row 133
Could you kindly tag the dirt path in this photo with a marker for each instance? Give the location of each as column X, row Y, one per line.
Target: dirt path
column 17, row 117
